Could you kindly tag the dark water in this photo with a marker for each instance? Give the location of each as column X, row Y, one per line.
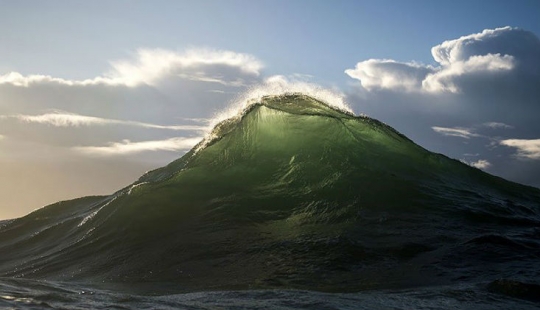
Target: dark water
column 290, row 199
column 28, row 294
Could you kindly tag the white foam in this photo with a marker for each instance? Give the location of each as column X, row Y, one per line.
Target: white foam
column 276, row 86
column 91, row 215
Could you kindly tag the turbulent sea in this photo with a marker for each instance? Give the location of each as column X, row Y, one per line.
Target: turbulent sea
column 292, row 204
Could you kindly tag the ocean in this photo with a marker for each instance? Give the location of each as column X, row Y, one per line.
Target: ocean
column 290, row 204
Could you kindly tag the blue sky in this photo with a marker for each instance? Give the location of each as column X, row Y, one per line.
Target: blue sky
column 75, row 39
column 94, row 93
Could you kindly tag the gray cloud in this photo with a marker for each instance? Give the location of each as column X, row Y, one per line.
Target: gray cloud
column 497, row 125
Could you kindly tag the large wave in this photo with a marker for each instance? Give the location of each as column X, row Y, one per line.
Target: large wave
column 290, row 192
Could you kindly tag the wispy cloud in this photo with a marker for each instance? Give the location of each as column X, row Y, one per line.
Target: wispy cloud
column 466, row 133
column 525, row 148
column 497, row 125
column 127, row 147
column 151, row 65
column 62, row 119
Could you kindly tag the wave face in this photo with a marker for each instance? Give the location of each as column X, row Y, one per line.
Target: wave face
column 292, row 193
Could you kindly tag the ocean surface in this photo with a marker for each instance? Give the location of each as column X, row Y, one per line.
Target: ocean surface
column 31, row 294
column 291, row 204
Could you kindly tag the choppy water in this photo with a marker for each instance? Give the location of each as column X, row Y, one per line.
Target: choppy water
column 289, row 199
column 28, row 294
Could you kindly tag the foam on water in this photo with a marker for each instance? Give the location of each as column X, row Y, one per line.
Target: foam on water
column 274, row 86
column 278, row 86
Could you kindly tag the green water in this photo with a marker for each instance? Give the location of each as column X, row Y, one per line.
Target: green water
column 292, row 193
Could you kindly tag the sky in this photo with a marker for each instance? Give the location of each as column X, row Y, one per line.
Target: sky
column 95, row 93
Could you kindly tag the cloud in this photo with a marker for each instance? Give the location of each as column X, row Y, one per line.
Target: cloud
column 448, row 77
column 478, row 86
column 149, row 66
column 466, row 60
column 390, row 74
column 466, row 133
column 127, row 147
column 525, row 148
column 522, row 44
column 61, row 119
column 152, row 64
column 480, row 164
column 497, row 125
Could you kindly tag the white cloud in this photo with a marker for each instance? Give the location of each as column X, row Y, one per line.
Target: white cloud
column 444, row 79
column 496, row 125
column 151, row 65
column 62, row 119
column 466, row 133
column 480, row 164
column 477, row 56
column 127, row 147
column 389, row 74
column 525, row 148
column 502, row 41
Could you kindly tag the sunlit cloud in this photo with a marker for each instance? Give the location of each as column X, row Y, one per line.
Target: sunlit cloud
column 376, row 74
column 475, row 57
column 525, row 148
column 127, row 147
column 466, row 133
column 62, row 119
column 151, row 65
column 198, row 120
column 445, row 79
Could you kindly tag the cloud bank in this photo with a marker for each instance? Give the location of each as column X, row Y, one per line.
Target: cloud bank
column 465, row 60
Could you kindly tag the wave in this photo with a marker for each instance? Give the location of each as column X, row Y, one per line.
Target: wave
column 290, row 193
